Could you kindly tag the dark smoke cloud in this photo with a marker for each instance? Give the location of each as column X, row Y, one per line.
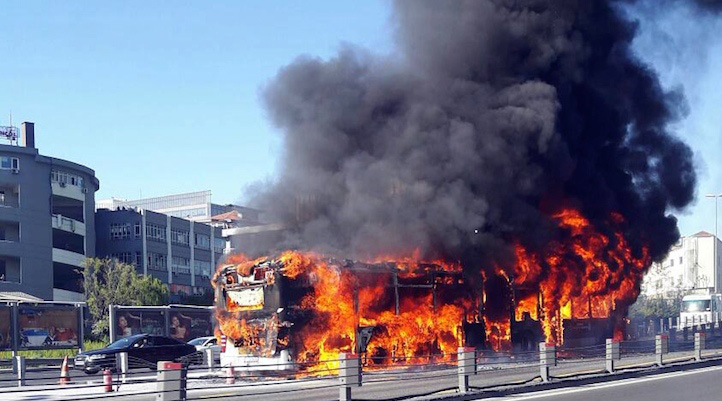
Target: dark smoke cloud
column 491, row 116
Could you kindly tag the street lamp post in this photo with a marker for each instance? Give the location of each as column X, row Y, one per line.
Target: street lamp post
column 714, row 242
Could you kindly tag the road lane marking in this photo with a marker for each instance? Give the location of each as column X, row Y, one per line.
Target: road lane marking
column 600, row 386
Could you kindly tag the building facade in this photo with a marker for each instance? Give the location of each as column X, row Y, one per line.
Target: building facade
column 181, row 253
column 688, row 266
column 195, row 206
column 47, row 220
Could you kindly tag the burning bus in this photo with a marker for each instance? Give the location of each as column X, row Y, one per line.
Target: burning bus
column 301, row 309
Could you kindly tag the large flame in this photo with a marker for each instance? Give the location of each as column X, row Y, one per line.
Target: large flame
column 584, row 275
column 588, row 275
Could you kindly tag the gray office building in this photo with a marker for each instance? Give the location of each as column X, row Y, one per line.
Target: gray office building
column 47, row 221
column 181, row 253
column 196, row 206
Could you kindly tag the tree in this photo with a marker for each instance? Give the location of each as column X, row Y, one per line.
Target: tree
column 109, row 282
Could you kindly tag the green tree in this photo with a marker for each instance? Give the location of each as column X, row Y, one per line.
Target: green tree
column 109, row 282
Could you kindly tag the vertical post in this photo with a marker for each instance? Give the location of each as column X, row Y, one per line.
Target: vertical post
column 661, row 325
column 349, row 374
column 699, row 344
column 661, row 348
column 396, row 292
column 466, row 361
column 111, row 323
column 612, row 354
column 15, row 329
column 81, row 329
column 19, row 362
column 547, row 358
column 171, row 384
column 123, row 364
column 209, row 359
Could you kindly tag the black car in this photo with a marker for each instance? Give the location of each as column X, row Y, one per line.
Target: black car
column 144, row 350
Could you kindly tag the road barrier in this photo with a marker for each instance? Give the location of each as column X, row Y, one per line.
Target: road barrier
column 466, row 361
column 19, row 368
column 547, row 359
column 699, row 343
column 661, row 347
column 171, row 384
column 612, row 354
column 465, row 372
column 349, row 375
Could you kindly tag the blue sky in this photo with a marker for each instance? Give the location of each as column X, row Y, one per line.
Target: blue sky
column 162, row 97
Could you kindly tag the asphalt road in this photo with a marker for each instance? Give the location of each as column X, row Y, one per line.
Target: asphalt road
column 700, row 384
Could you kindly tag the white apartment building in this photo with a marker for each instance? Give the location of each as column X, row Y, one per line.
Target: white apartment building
column 689, row 265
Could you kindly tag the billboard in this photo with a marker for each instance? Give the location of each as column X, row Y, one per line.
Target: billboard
column 181, row 322
column 45, row 326
column 136, row 321
column 5, row 327
column 186, row 325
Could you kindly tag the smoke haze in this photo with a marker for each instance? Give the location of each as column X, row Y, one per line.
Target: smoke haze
column 490, row 117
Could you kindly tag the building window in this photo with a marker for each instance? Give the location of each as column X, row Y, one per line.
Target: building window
column 219, row 244
column 154, row 232
column 9, row 163
column 157, row 261
column 179, row 289
column 63, row 178
column 680, row 260
column 120, row 231
column 181, row 265
column 124, row 257
column 138, row 258
column 3, row 272
column 203, row 241
column 137, row 229
column 202, row 268
column 180, row 237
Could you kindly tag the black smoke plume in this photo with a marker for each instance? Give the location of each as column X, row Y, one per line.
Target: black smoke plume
column 490, row 116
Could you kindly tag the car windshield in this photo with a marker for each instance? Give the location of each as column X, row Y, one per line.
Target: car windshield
column 124, row 342
column 197, row 341
column 696, row 306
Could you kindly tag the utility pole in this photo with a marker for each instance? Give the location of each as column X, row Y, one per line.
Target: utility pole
column 714, row 242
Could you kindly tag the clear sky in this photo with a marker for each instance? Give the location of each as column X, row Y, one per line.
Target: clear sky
column 162, row 97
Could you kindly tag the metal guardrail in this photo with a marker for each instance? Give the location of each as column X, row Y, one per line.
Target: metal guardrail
column 467, row 371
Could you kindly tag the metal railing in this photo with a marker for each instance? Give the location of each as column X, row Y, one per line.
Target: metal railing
column 467, row 371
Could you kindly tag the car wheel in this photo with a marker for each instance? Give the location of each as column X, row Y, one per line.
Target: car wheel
column 91, row 371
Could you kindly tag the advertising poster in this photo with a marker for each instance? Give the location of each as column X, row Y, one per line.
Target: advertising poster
column 5, row 328
column 186, row 325
column 130, row 322
column 47, row 326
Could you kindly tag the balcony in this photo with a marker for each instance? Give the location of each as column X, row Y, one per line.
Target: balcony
column 67, row 224
column 68, row 191
column 68, row 257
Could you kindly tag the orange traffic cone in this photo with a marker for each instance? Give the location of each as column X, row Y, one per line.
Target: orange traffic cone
column 64, row 373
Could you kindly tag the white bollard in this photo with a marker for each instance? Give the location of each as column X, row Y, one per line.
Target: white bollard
column 699, row 344
column 19, row 367
column 123, row 366
column 661, row 347
column 613, row 354
column 171, row 384
column 547, row 359
column 209, row 359
column 466, row 361
column 349, row 374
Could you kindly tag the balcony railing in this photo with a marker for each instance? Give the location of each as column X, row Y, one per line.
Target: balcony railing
column 63, row 223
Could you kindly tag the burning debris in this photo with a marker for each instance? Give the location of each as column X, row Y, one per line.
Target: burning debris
column 521, row 144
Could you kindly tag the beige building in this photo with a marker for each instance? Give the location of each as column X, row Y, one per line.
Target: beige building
column 689, row 265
